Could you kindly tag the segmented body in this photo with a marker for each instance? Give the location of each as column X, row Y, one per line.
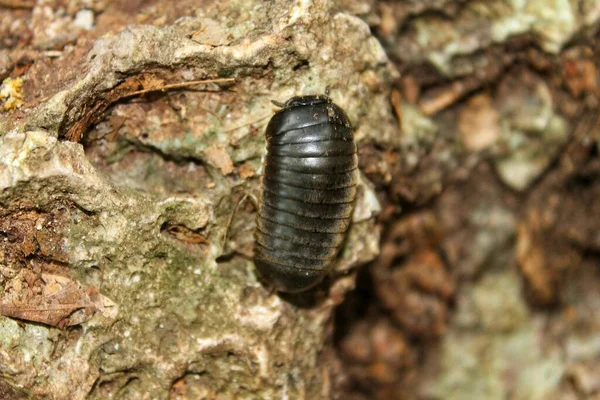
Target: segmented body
column 307, row 194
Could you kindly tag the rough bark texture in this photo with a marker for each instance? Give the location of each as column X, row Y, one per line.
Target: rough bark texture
column 126, row 230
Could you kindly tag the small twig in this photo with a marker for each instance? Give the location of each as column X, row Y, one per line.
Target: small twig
column 52, row 53
column 245, row 197
column 177, row 86
column 44, row 308
column 396, row 100
column 27, row 4
column 249, row 122
column 76, row 130
column 201, row 29
column 113, row 134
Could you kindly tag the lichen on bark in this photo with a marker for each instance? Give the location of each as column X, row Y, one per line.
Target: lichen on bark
column 141, row 191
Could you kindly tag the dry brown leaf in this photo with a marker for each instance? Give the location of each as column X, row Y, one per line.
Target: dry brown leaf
column 63, row 302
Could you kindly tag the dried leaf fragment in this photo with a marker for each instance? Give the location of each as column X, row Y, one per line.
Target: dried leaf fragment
column 54, row 300
column 185, row 234
column 218, row 157
column 246, row 170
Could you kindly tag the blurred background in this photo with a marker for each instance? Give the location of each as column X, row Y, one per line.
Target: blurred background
column 487, row 282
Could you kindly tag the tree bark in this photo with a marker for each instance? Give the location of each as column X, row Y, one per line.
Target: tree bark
column 131, row 138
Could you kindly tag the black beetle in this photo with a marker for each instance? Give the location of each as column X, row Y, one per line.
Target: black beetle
column 307, row 192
